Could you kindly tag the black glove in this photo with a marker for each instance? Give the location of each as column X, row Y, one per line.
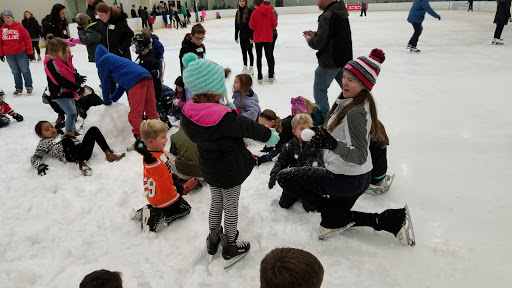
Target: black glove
column 30, row 57
column 272, row 181
column 41, row 169
column 177, row 183
column 439, row 17
column 80, row 79
column 18, row 117
column 2, row 58
column 323, row 139
column 142, row 149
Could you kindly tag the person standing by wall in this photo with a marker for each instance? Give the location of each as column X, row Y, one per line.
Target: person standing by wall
column 34, row 30
column 242, row 18
column 16, row 47
column 134, row 13
column 334, row 48
column 470, row 5
column 144, row 16
column 416, row 17
column 363, row 8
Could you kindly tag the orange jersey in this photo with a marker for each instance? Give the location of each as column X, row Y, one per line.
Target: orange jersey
column 158, row 184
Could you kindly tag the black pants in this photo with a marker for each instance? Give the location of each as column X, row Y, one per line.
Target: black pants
column 470, row 7
column 83, row 151
column 176, row 210
column 245, row 44
column 418, row 28
column 144, row 23
column 499, row 29
column 268, row 54
column 274, row 39
column 363, row 11
column 35, row 45
column 177, row 18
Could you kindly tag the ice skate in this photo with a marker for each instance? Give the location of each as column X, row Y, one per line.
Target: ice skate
column 409, row 46
column 138, row 214
column 496, row 41
column 39, row 58
column 152, row 219
column 29, row 91
column 327, row 233
column 381, row 187
column 212, row 242
column 191, row 184
column 233, row 251
column 406, row 233
column 245, row 70
column 414, row 49
column 251, row 71
column 260, row 81
column 270, row 80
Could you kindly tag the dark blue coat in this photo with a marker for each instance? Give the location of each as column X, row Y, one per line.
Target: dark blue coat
column 418, row 10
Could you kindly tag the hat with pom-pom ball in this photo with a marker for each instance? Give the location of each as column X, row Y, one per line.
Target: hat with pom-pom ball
column 366, row 69
column 202, row 76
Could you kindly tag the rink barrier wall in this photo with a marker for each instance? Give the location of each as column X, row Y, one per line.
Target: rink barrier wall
column 482, row 6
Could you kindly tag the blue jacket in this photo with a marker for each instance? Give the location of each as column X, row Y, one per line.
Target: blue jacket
column 118, row 69
column 249, row 106
column 157, row 46
column 418, row 10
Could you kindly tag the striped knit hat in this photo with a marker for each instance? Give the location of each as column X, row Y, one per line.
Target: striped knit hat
column 201, row 76
column 366, row 69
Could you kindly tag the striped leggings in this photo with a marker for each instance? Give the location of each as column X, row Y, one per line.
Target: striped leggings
column 224, row 199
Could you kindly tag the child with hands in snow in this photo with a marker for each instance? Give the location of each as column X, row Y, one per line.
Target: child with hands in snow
column 283, row 127
column 162, row 187
column 350, row 124
column 244, row 98
column 225, row 162
column 6, row 109
column 67, row 149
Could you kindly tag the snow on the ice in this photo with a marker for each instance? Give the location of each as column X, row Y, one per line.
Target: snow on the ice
column 307, row 134
column 443, row 108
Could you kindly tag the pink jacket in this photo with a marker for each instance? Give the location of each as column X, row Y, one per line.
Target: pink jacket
column 64, row 69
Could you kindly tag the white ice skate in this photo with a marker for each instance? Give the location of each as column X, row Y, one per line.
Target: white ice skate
column 145, row 218
column 497, row 41
column 245, row 70
column 381, row 187
column 414, row 49
column 406, row 233
column 327, row 233
column 251, row 71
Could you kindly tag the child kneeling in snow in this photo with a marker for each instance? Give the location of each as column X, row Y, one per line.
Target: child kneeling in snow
column 69, row 149
column 296, row 153
column 6, row 109
column 162, row 187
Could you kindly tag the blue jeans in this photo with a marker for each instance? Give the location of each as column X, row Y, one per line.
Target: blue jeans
column 418, row 28
column 19, row 65
column 323, row 79
column 68, row 105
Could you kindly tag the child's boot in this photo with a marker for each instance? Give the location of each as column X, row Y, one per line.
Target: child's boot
column 213, row 241
column 86, row 170
column 233, row 251
column 112, row 156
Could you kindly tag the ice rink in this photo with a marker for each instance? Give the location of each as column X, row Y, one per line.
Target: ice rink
column 447, row 114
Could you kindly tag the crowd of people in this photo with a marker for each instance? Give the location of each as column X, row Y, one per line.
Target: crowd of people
column 325, row 156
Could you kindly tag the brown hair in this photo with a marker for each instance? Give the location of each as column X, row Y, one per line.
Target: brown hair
column 146, row 31
column 151, row 129
column 197, row 29
column 290, row 268
column 257, row 2
column 301, row 119
column 204, row 98
column 358, row 100
column 39, row 128
column 55, row 45
column 380, row 136
column 102, row 279
column 272, row 116
column 103, row 8
column 31, row 15
column 245, row 84
column 242, row 14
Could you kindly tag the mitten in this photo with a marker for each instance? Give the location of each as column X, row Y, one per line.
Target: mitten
column 439, row 17
column 80, row 91
column 142, row 149
column 251, row 41
column 41, row 169
column 323, row 139
column 2, row 58
column 17, row 117
column 274, row 138
column 272, row 181
column 230, row 105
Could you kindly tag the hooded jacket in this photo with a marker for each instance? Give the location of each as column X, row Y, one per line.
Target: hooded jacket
column 188, row 46
column 418, row 10
column 14, row 40
column 333, row 39
column 121, row 70
column 157, row 46
column 218, row 132
column 61, row 76
column 33, row 28
column 118, row 36
column 249, row 107
column 91, row 37
column 263, row 21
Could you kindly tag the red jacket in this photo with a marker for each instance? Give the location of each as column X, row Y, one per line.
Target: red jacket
column 262, row 22
column 6, row 109
column 14, row 40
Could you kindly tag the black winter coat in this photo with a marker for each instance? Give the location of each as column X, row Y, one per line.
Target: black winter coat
column 296, row 154
column 58, row 30
column 218, row 132
column 118, row 36
column 33, row 27
column 502, row 12
column 187, row 46
column 91, row 11
column 151, row 63
column 242, row 27
column 91, row 37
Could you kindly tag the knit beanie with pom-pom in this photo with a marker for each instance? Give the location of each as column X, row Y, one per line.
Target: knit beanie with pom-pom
column 202, row 76
column 366, row 69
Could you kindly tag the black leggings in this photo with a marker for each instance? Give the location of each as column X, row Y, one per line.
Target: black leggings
column 499, row 29
column 245, row 44
column 35, row 45
column 83, row 151
column 270, row 58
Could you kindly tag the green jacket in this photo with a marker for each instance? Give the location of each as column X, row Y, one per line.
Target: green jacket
column 187, row 156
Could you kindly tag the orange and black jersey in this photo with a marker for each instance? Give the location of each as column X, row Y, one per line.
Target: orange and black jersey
column 158, row 182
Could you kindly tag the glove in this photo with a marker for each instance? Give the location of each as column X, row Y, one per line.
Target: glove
column 18, row 117
column 30, row 57
column 80, row 91
column 142, row 149
column 80, row 79
column 323, row 139
column 439, row 17
column 230, row 105
column 274, row 138
column 236, row 40
column 2, row 58
column 272, row 181
column 41, row 169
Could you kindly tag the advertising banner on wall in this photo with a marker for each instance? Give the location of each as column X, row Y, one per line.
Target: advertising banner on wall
column 459, row 5
column 355, row 7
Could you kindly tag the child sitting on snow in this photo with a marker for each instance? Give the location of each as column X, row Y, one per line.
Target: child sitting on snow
column 69, row 149
column 181, row 95
column 161, row 186
column 296, row 153
column 244, row 98
column 271, row 120
column 6, row 109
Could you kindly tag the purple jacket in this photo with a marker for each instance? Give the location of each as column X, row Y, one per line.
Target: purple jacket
column 249, row 107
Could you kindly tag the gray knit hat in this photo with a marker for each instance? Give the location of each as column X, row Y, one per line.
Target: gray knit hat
column 7, row 13
column 82, row 19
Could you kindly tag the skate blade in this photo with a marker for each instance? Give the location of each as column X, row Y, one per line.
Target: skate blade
column 232, row 261
column 374, row 190
column 138, row 215
column 335, row 232
column 145, row 217
column 406, row 233
column 390, row 182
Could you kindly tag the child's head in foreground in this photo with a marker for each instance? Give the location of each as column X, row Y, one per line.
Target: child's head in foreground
column 300, row 122
column 45, row 130
column 102, row 279
column 290, row 268
column 154, row 133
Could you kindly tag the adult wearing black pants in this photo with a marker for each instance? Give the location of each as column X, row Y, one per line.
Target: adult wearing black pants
column 470, row 5
column 262, row 22
column 144, row 16
column 501, row 19
column 242, row 18
column 34, row 30
column 416, row 17
column 274, row 31
column 363, row 8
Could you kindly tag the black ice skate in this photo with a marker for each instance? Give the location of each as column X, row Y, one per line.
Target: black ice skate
column 233, row 251
column 138, row 214
column 212, row 242
column 327, row 233
column 152, row 219
column 381, row 187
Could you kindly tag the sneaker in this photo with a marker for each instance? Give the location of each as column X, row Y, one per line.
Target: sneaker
column 233, row 251
column 406, row 232
column 17, row 92
column 251, row 71
column 414, row 49
column 326, row 233
column 213, row 241
column 29, row 91
column 245, row 70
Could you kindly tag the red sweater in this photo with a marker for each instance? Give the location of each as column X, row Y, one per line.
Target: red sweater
column 15, row 39
column 262, row 22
